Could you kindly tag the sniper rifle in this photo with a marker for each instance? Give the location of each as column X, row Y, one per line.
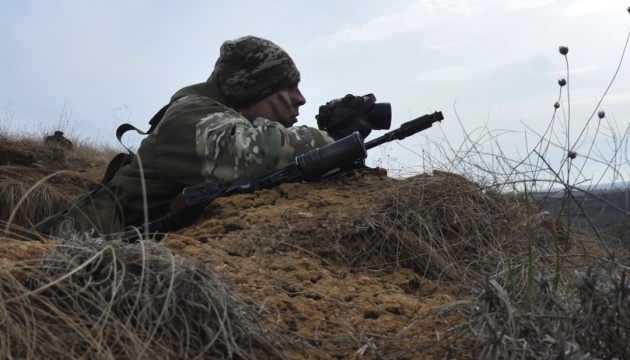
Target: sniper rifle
column 317, row 164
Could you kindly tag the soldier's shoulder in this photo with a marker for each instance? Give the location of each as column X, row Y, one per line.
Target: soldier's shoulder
column 194, row 101
column 196, row 107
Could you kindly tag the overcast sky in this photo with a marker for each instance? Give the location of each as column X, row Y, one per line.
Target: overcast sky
column 97, row 64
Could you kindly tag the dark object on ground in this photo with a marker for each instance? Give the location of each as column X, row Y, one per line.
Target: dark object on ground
column 58, row 140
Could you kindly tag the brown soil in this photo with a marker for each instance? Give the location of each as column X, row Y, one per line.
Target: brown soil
column 294, row 252
column 261, row 243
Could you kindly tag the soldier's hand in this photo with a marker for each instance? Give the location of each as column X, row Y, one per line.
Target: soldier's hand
column 342, row 117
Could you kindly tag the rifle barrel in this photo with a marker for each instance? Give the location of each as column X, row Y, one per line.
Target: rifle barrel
column 407, row 129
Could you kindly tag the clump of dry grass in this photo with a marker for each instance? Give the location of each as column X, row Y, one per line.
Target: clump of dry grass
column 601, row 321
column 590, row 321
column 504, row 330
column 37, row 180
column 95, row 299
column 25, row 201
column 443, row 226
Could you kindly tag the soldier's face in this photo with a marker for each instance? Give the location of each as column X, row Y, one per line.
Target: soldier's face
column 281, row 106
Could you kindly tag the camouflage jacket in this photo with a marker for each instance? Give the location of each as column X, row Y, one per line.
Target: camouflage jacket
column 198, row 140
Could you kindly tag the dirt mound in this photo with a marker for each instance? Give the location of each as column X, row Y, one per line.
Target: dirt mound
column 362, row 265
column 291, row 250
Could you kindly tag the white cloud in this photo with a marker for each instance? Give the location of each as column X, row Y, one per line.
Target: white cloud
column 515, row 5
column 623, row 97
column 442, row 46
column 575, row 71
column 586, row 97
column 417, row 15
column 587, row 7
column 463, row 73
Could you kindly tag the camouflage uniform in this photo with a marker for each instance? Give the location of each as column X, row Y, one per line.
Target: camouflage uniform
column 202, row 139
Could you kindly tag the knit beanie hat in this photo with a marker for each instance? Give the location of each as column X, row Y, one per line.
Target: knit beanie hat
column 251, row 68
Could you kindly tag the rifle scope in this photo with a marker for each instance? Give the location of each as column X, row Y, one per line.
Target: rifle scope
column 318, row 162
column 378, row 115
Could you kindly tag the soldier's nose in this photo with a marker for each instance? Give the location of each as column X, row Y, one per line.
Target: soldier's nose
column 297, row 96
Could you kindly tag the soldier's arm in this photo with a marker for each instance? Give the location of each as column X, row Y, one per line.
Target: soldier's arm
column 232, row 148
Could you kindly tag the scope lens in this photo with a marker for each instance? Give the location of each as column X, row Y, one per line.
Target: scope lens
column 380, row 116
